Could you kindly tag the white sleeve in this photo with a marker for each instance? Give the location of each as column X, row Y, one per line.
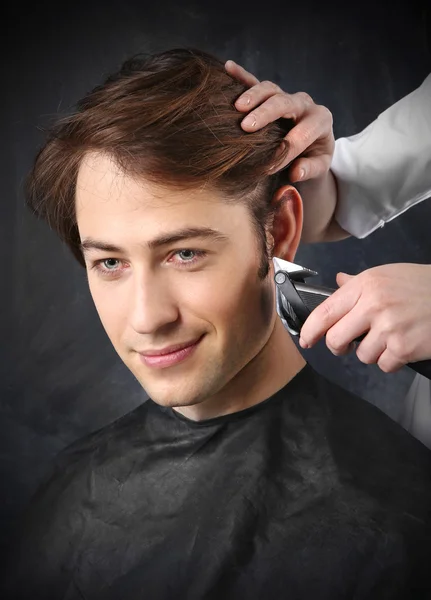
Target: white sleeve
column 386, row 169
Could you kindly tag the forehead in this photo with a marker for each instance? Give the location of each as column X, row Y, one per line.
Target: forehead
column 108, row 198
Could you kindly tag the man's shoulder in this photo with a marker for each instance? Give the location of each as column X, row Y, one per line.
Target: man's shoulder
column 81, row 460
column 113, row 437
column 349, row 413
column 372, row 451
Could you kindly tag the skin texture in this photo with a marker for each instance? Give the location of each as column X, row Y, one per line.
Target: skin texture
column 389, row 303
column 151, row 296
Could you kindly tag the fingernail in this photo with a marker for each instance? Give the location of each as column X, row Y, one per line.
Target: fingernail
column 301, row 173
column 250, row 120
column 245, row 100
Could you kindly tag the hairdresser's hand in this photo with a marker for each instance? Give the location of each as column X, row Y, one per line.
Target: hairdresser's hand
column 392, row 303
column 311, row 139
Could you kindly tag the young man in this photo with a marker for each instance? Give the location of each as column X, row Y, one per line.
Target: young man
column 246, row 475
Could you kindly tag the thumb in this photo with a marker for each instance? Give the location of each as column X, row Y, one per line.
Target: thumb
column 343, row 278
column 302, row 168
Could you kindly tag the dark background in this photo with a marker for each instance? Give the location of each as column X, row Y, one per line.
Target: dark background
column 59, row 376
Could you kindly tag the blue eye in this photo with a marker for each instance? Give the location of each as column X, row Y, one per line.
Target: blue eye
column 110, row 263
column 113, row 268
column 109, row 267
column 187, row 257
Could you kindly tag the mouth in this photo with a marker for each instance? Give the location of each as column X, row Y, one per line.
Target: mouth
column 169, row 356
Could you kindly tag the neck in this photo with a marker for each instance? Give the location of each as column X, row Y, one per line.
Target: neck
column 270, row 370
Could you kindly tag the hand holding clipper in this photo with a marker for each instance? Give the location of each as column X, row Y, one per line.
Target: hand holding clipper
column 296, row 299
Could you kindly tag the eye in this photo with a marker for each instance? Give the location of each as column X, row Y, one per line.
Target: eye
column 110, row 264
column 109, row 267
column 187, row 256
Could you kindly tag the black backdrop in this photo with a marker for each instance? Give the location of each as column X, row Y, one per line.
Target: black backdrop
column 59, row 377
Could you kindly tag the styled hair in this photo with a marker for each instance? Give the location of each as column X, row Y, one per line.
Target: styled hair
column 169, row 118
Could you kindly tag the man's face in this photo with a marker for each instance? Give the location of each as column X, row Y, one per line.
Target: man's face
column 169, row 269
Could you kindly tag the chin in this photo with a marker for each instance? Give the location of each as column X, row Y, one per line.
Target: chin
column 174, row 395
column 174, row 400
column 173, row 388
column 176, row 404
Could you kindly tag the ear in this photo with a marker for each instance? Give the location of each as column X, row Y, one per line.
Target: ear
column 287, row 224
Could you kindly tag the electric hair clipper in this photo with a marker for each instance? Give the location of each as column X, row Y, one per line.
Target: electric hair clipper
column 296, row 299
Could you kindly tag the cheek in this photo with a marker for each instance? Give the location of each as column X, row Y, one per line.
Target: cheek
column 229, row 302
column 212, row 297
column 256, row 307
column 267, row 303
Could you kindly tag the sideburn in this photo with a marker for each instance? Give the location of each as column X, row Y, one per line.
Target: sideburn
column 265, row 248
column 262, row 213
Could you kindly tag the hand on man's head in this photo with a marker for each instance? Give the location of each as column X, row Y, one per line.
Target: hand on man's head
column 310, row 142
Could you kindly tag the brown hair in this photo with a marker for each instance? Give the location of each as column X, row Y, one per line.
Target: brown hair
column 167, row 117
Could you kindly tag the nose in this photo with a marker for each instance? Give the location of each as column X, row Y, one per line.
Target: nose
column 153, row 306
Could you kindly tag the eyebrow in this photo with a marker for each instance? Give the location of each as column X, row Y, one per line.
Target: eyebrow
column 173, row 237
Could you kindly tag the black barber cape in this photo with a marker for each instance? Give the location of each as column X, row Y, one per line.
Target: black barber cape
column 312, row 494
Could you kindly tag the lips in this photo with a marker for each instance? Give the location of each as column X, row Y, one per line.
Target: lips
column 170, row 355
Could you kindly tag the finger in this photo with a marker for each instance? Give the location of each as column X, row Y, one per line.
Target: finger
column 341, row 335
column 328, row 313
column 239, row 73
column 389, row 363
column 311, row 126
column 303, row 169
column 371, row 348
column 343, row 351
column 271, row 104
column 343, row 278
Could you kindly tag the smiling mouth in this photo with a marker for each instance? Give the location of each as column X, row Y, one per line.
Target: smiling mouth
column 172, row 355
